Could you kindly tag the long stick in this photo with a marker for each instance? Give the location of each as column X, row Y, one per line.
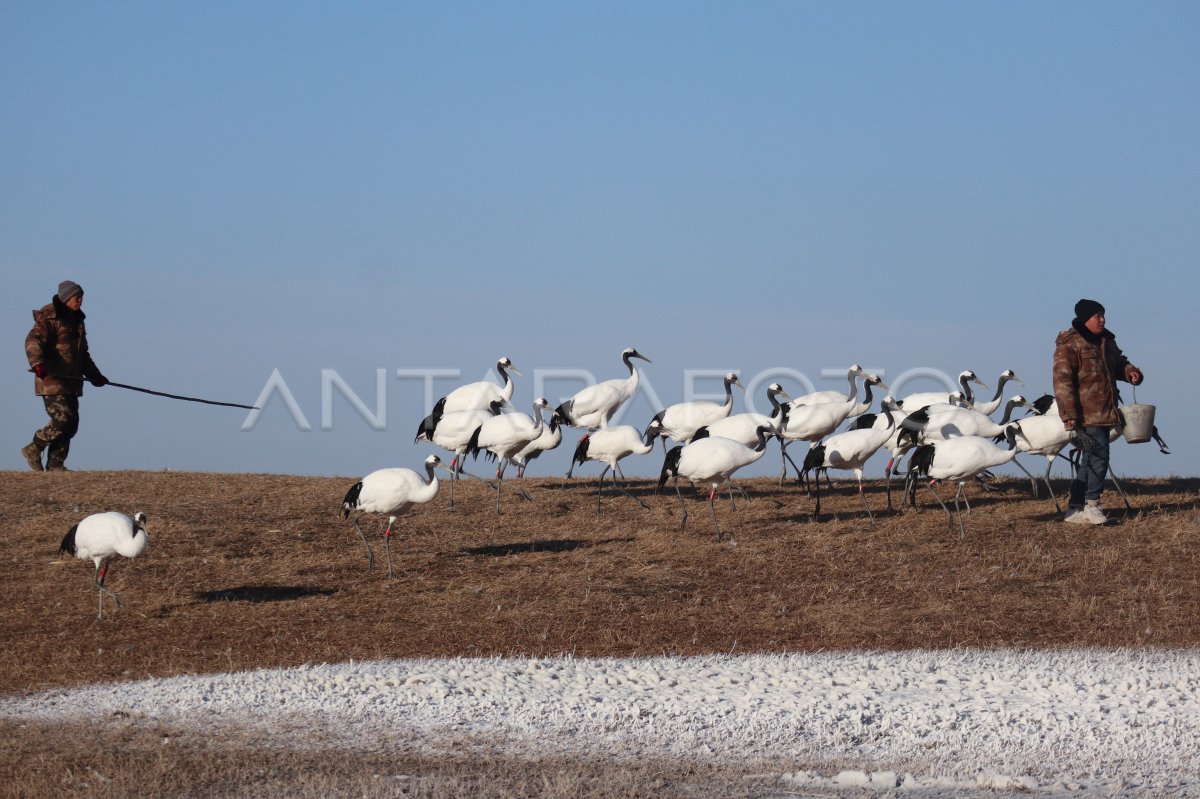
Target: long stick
column 162, row 393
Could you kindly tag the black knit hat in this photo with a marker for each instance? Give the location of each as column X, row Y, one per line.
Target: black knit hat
column 68, row 289
column 1086, row 309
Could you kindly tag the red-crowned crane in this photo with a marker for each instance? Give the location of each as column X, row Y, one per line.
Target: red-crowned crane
column 958, row 460
column 390, row 492
column 452, row 432
column 680, row 421
column 592, row 407
column 505, row 436
column 102, row 536
column 711, row 460
column 609, row 446
column 477, row 396
column 850, row 450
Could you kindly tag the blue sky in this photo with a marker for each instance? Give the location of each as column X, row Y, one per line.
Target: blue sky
column 248, row 187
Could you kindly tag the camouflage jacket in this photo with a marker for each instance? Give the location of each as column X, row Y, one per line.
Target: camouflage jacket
column 1086, row 368
column 59, row 340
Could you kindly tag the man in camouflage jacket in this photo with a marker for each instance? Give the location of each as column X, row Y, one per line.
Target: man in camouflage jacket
column 1087, row 364
column 57, row 351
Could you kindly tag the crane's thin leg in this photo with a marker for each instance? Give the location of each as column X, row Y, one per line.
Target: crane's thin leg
column 817, row 515
column 932, row 490
column 571, row 468
column 366, row 543
column 1032, row 480
column 863, row 495
column 387, row 543
column 618, row 472
column 621, row 488
column 712, row 507
column 800, row 478
column 499, row 485
column 887, row 478
column 1046, row 477
column 732, row 504
column 600, row 487
column 520, row 491
column 682, row 506
column 782, row 460
column 1113, row 476
column 962, row 491
column 101, row 573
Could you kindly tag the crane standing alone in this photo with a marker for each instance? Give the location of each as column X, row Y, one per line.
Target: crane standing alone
column 101, row 536
column 390, row 492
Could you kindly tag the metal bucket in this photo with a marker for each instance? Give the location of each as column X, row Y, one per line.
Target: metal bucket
column 1139, row 423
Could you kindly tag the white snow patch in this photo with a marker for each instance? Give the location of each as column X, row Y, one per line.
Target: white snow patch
column 1027, row 721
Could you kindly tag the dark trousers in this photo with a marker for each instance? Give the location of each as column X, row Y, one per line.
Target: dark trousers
column 1093, row 468
column 55, row 437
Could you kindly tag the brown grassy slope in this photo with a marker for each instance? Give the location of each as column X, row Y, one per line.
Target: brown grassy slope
column 249, row 571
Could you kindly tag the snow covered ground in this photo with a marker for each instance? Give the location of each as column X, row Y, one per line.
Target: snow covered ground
column 1053, row 722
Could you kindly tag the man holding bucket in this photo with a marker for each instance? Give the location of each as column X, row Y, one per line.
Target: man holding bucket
column 1087, row 364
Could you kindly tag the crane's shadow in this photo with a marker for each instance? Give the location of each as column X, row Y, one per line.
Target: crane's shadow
column 262, row 593
column 543, row 545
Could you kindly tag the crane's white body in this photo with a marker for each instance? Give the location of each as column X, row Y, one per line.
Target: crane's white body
column 478, row 396
column 594, row 406
column 102, row 536
column 506, row 435
column 680, row 421
column 743, row 427
column 390, row 492
column 550, row 438
column 858, row 408
column 919, row 400
column 958, row 422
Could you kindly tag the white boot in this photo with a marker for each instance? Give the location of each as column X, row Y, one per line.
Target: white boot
column 1093, row 513
column 1075, row 515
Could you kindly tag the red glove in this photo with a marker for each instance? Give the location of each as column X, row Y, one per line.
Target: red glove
column 40, row 370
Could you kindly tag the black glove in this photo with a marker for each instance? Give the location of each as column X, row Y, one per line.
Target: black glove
column 98, row 380
column 1081, row 440
column 40, row 370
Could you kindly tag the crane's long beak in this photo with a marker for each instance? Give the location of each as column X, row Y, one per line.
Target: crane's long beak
column 515, row 371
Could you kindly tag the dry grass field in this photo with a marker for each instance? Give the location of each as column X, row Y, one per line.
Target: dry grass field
column 248, row 571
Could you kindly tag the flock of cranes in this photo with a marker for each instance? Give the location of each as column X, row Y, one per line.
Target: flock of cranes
column 950, row 435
